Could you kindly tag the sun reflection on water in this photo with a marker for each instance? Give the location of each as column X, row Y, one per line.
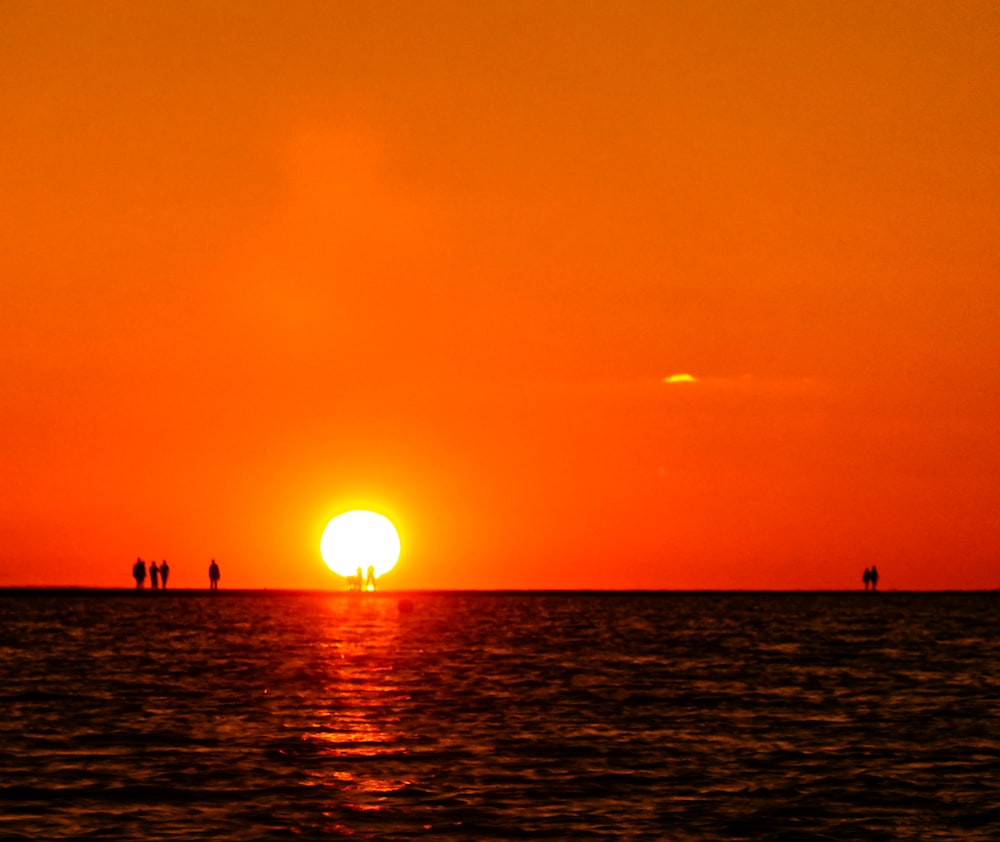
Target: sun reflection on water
column 354, row 730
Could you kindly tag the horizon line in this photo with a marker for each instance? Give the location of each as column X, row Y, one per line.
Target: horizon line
column 11, row 590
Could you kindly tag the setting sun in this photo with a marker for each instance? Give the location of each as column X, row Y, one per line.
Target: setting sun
column 357, row 540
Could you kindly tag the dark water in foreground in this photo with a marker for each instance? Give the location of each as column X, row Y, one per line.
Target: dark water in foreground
column 499, row 716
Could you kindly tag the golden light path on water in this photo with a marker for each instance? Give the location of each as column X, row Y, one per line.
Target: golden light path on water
column 355, row 725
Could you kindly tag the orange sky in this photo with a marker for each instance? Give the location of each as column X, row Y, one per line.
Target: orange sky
column 265, row 261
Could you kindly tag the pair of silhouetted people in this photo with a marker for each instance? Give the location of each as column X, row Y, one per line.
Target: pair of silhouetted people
column 360, row 582
column 213, row 576
column 870, row 577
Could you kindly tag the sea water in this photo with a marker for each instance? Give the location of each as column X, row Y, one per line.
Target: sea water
column 268, row 715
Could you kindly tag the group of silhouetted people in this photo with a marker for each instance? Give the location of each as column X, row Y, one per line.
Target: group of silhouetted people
column 359, row 582
column 870, row 577
column 158, row 575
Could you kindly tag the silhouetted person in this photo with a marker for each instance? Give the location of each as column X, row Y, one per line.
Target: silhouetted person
column 867, row 578
column 874, row 577
column 154, row 575
column 164, row 572
column 139, row 572
column 371, row 577
column 213, row 576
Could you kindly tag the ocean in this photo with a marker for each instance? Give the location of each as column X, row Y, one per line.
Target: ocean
column 522, row 715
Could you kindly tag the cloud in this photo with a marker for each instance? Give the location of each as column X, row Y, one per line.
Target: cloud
column 750, row 383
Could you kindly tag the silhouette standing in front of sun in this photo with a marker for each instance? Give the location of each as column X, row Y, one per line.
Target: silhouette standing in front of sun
column 139, row 572
column 164, row 572
column 154, row 576
column 874, row 577
column 213, row 576
column 867, row 578
column 371, row 577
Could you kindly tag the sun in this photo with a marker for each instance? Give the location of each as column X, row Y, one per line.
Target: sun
column 360, row 539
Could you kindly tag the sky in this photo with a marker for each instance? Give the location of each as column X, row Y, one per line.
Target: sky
column 265, row 262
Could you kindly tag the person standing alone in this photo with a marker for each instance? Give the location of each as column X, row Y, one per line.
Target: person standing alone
column 213, row 576
column 139, row 572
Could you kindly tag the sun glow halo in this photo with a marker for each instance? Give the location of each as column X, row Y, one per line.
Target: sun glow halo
column 360, row 538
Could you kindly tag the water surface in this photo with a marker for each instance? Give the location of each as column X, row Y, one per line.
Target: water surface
column 499, row 716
